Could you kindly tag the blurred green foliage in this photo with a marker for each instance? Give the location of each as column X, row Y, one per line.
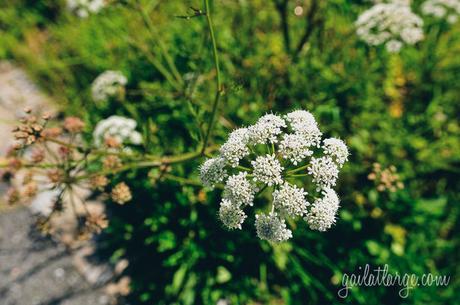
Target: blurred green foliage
column 399, row 110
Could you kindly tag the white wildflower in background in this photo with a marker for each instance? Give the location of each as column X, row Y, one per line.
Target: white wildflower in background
column 83, row 8
column 322, row 213
column 392, row 24
column 118, row 128
column 269, row 157
column 272, row 228
column 448, row 9
column 231, row 215
column 108, row 84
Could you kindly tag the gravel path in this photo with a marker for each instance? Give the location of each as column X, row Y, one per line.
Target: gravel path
column 35, row 270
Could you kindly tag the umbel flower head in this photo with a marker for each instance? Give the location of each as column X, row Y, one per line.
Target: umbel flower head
column 108, row 84
column 280, row 157
column 83, row 8
column 117, row 128
column 448, row 9
column 392, row 24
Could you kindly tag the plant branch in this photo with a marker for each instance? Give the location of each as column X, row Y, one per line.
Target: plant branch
column 310, row 26
column 297, row 169
column 219, row 89
column 157, row 162
column 282, row 8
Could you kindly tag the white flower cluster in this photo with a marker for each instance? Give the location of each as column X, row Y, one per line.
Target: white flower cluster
column 449, row 9
column 321, row 216
column 271, row 155
column 393, row 24
column 83, row 8
column 121, row 129
column 108, row 84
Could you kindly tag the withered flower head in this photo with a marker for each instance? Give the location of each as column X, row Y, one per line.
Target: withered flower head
column 55, row 176
column 51, row 132
column 14, row 164
column 112, row 142
column 64, row 151
column 96, row 222
column 46, row 116
column 30, row 189
column 121, row 193
column 73, row 124
column 29, row 130
column 99, row 182
column 12, row 196
column 28, row 177
column 38, row 155
column 385, row 178
column 112, row 162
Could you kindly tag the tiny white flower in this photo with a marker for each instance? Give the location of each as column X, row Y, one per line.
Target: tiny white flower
column 337, row 149
column 236, row 147
column 267, row 129
column 267, row 169
column 324, row 171
column 212, row 171
column 239, row 190
column 291, row 200
column 322, row 213
column 107, row 84
column 295, row 148
column 231, row 215
column 272, row 228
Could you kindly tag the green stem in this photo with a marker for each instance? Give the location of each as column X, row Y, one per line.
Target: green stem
column 244, row 168
column 300, row 175
column 182, row 180
column 261, row 190
column 297, row 169
column 219, row 89
column 167, row 160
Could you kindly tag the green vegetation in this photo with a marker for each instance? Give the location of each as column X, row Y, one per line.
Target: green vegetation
column 397, row 110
